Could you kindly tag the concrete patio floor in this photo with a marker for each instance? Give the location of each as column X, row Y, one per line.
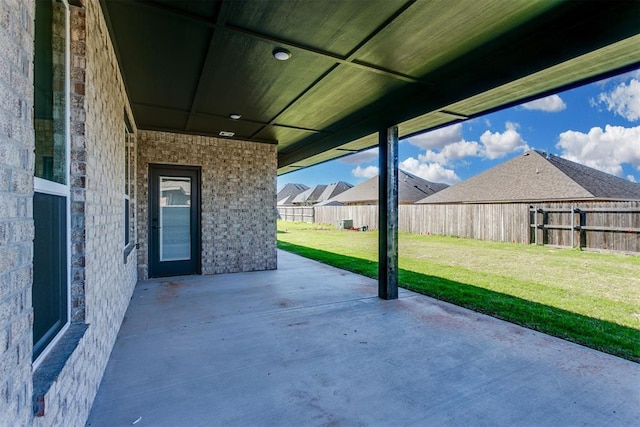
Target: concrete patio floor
column 311, row 345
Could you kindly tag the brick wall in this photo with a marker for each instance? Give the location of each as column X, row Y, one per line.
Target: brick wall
column 101, row 280
column 16, row 195
column 238, row 198
column 78, row 157
column 238, row 191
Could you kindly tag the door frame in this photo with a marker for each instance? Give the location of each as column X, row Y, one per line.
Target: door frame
column 193, row 266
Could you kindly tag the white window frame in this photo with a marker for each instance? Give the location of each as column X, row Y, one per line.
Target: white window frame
column 127, row 196
column 130, row 188
column 53, row 188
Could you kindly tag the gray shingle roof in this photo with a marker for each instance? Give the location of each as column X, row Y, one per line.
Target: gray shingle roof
column 535, row 177
column 600, row 184
column 290, row 190
column 410, row 189
column 310, row 196
column 286, row 201
column 334, row 189
column 320, row 193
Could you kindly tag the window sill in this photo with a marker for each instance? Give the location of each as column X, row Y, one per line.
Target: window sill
column 127, row 251
column 49, row 370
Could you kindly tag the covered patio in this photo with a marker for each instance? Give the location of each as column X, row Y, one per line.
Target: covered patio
column 309, row 344
column 143, row 138
column 322, row 80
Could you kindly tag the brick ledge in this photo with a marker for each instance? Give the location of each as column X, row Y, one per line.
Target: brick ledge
column 51, row 367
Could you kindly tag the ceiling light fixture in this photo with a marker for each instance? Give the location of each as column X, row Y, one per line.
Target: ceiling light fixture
column 234, row 116
column 226, row 133
column 281, row 54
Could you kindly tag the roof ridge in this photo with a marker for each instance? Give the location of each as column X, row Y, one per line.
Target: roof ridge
column 548, row 157
column 597, row 179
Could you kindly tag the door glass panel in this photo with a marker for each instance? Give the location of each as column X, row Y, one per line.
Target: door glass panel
column 175, row 214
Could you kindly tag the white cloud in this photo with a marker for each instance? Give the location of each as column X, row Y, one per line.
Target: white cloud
column 550, row 104
column 604, row 150
column 631, row 178
column 635, row 74
column 498, row 144
column 433, row 172
column 446, row 147
column 438, row 138
column 368, row 172
column 624, row 100
column 457, row 150
column 360, row 157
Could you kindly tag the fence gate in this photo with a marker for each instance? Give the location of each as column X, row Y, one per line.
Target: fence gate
column 614, row 226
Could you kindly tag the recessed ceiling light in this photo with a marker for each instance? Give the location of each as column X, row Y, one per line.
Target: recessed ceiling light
column 226, row 133
column 235, row 116
column 281, row 54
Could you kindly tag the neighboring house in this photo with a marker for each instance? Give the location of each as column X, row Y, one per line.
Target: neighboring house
column 334, row 189
column 287, row 201
column 537, row 198
column 320, row 193
column 288, row 192
column 329, row 203
column 410, row 189
column 537, row 177
column 177, row 195
column 310, row 196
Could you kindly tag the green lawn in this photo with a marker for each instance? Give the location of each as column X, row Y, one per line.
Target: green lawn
column 586, row 297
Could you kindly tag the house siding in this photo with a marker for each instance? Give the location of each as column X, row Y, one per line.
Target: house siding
column 238, row 198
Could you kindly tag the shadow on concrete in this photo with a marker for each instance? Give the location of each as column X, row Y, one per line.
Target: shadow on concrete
column 602, row 335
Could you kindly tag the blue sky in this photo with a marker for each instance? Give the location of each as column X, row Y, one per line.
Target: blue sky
column 597, row 125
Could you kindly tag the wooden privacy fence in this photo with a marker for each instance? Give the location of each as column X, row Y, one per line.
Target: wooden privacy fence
column 297, row 213
column 498, row 222
column 361, row 215
column 596, row 225
column 501, row 222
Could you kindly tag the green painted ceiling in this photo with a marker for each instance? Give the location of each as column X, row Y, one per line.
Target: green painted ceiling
column 357, row 66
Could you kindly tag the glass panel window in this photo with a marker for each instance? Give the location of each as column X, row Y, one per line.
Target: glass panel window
column 50, row 290
column 49, row 269
column 175, row 215
column 127, row 228
column 129, row 189
column 127, row 160
column 50, row 75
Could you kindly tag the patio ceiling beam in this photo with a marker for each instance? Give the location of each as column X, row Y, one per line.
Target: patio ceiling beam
column 388, row 214
column 173, row 11
column 207, row 67
column 348, row 60
column 313, row 84
column 209, row 115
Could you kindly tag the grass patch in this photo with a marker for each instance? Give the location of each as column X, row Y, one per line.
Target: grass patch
column 589, row 298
